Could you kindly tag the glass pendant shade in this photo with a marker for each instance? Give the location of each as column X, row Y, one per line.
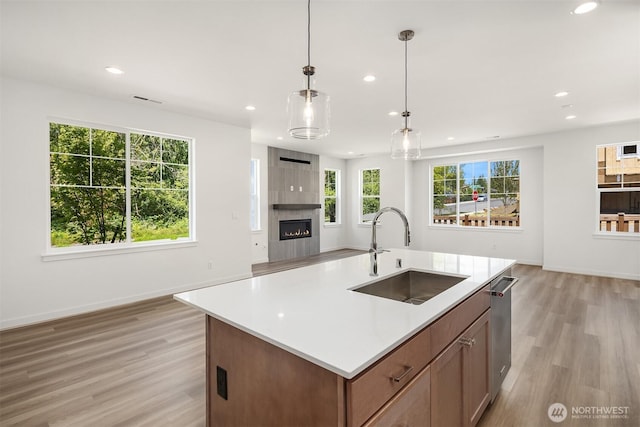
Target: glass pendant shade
column 308, row 109
column 308, row 114
column 405, row 143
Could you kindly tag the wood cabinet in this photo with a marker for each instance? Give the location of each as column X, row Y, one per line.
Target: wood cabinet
column 460, row 378
column 438, row 377
column 251, row 382
column 410, row 407
column 369, row 391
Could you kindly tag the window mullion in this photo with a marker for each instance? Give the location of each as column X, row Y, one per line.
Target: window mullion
column 458, row 194
column 90, row 157
column 487, row 193
column 127, row 184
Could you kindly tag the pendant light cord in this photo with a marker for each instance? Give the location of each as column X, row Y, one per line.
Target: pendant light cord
column 309, row 42
column 406, row 113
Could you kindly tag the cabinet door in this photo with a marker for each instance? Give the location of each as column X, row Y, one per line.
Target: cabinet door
column 408, row 408
column 447, row 388
column 476, row 368
column 460, row 378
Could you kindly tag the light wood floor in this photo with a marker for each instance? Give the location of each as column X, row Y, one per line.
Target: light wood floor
column 576, row 341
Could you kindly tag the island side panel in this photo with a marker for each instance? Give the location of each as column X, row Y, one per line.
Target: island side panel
column 266, row 385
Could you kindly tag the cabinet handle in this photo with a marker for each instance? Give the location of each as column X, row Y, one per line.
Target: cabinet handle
column 404, row 374
column 469, row 342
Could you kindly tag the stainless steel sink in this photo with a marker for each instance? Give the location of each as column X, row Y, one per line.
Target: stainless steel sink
column 412, row 287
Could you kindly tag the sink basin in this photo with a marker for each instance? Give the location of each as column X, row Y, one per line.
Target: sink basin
column 412, row 287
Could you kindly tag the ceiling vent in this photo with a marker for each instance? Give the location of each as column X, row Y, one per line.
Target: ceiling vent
column 142, row 98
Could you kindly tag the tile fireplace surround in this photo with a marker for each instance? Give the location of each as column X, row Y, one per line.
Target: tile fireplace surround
column 294, row 195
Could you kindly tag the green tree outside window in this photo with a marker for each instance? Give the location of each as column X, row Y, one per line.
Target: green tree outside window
column 88, row 186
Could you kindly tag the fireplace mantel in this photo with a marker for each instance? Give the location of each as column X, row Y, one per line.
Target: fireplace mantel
column 296, row 206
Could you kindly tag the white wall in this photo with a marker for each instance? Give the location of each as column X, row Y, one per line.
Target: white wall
column 334, row 237
column 559, row 178
column 260, row 239
column 524, row 244
column 34, row 290
column 394, row 179
column 570, row 244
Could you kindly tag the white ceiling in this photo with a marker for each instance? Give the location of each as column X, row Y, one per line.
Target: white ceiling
column 477, row 68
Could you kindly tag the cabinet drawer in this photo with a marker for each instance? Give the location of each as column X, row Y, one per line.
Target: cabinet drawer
column 449, row 326
column 410, row 407
column 370, row 390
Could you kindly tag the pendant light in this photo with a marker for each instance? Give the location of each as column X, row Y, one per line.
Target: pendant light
column 405, row 142
column 308, row 108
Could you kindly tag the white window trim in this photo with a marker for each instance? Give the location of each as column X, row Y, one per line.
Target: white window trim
column 613, row 235
column 87, row 251
column 457, row 226
column 361, row 197
column 337, row 198
column 257, row 196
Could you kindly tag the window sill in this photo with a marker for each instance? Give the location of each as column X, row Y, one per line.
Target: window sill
column 331, row 225
column 475, row 229
column 614, row 235
column 62, row 254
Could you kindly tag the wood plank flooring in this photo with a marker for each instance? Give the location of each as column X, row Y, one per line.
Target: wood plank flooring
column 576, row 341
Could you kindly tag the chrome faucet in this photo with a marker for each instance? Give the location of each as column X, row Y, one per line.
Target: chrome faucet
column 373, row 250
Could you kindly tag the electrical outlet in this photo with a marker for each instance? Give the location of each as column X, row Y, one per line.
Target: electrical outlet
column 221, row 382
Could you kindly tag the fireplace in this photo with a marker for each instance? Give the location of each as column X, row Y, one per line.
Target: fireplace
column 295, row 229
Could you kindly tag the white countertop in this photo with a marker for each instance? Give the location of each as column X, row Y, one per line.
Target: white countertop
column 311, row 311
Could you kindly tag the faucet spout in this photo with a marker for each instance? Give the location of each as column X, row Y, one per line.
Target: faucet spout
column 373, row 250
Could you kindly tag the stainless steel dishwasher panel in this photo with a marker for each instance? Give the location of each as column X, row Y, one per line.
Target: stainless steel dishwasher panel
column 500, row 329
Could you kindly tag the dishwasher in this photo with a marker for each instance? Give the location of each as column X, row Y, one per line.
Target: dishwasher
column 500, row 290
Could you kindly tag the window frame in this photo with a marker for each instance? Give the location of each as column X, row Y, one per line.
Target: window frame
column 620, row 156
column 336, row 197
column 53, row 253
column 255, row 224
column 361, row 195
column 488, row 195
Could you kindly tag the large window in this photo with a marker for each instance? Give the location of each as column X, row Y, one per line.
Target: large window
column 331, row 196
column 477, row 194
column 369, row 194
column 117, row 186
column 254, row 214
column 619, row 187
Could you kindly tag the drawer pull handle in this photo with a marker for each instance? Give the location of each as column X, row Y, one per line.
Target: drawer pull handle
column 404, row 374
column 469, row 342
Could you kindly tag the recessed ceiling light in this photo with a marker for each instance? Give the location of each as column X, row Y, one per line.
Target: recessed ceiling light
column 114, row 70
column 350, row 152
column 585, row 7
column 249, row 108
column 571, row 117
column 279, row 138
column 450, row 138
column 561, row 94
column 393, row 113
column 369, row 78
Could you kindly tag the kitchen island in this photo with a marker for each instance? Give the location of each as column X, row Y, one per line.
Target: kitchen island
column 301, row 347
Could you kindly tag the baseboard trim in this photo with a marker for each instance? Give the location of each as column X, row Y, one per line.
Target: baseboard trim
column 87, row 308
column 589, row 272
